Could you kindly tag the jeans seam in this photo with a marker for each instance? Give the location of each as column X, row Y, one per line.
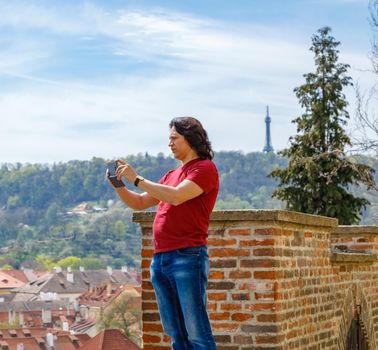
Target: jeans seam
column 203, row 307
column 183, row 332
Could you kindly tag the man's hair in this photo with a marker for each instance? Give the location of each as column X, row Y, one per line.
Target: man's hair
column 195, row 134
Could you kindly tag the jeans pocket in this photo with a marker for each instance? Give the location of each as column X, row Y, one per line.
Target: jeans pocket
column 191, row 251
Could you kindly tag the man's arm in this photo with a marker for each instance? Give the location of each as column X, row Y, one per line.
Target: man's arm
column 136, row 201
column 183, row 192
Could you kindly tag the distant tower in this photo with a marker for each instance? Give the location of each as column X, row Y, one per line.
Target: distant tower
column 268, row 144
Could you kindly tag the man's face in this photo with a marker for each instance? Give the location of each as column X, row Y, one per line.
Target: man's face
column 179, row 146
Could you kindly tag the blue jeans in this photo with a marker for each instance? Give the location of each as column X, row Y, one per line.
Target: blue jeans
column 179, row 278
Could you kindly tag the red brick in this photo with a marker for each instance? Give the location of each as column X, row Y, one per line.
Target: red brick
column 155, row 347
column 147, row 253
column 222, row 338
column 152, row 327
column 287, row 233
column 216, row 275
column 239, row 231
column 259, row 263
column 264, row 296
column 240, row 296
column 257, row 242
column 269, row 339
column 211, row 306
column 219, row 316
column 365, row 239
column 146, row 263
column 231, row 307
column 238, row 274
column 267, row 318
column 360, row 247
column 267, row 275
column 149, row 306
column 259, row 286
column 242, row 317
column 221, row 285
column 146, row 274
column 223, row 263
column 166, row 339
column 243, row 339
column 264, row 252
column 262, row 307
column 292, row 334
column 231, row 327
column 217, row 296
column 151, row 317
column 268, row 231
column 147, row 231
column 151, row 338
column 227, row 252
column 146, row 242
column 213, row 242
column 146, row 285
column 217, row 233
column 148, row 295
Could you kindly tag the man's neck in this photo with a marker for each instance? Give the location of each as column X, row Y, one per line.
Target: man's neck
column 192, row 155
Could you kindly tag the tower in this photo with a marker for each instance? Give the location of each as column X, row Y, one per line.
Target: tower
column 268, row 144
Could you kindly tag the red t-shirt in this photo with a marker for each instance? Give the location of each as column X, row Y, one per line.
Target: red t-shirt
column 186, row 225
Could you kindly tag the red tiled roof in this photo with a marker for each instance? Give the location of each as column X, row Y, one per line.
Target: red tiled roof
column 37, row 339
column 105, row 294
column 110, row 339
column 9, row 282
column 101, row 295
column 17, row 274
column 29, row 343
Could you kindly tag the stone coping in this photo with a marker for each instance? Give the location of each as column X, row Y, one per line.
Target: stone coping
column 355, row 229
column 265, row 215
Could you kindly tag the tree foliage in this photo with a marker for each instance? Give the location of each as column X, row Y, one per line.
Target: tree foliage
column 41, row 234
column 124, row 313
column 319, row 175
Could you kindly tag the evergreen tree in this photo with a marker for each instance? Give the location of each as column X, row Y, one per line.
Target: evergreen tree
column 318, row 177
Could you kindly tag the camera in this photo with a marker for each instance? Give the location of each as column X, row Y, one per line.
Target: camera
column 112, row 168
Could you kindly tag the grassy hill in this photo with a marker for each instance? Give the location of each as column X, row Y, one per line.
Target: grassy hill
column 36, row 230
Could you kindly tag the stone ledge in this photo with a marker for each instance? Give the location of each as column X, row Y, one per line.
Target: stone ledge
column 355, row 229
column 355, row 258
column 256, row 215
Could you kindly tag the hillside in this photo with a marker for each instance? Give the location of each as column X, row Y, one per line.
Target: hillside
column 37, row 226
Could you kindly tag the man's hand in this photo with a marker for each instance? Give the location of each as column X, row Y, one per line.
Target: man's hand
column 126, row 170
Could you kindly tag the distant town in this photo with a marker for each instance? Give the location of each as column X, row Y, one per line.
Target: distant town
column 67, row 309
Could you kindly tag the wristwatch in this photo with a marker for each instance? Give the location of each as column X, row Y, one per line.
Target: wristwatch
column 137, row 180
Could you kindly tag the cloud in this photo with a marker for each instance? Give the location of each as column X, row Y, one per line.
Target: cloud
column 161, row 64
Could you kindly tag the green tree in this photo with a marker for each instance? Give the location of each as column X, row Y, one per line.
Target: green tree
column 7, row 267
column 124, row 314
column 92, row 263
column 319, row 174
column 45, row 262
column 70, row 261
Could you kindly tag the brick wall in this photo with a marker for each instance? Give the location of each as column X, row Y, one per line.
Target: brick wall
column 354, row 257
column 278, row 280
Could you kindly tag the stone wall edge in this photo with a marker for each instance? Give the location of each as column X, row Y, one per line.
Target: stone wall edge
column 255, row 215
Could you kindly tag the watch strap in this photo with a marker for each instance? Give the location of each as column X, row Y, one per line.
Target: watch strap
column 137, row 180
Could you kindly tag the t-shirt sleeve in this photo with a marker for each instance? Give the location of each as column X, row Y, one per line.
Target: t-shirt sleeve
column 164, row 179
column 205, row 175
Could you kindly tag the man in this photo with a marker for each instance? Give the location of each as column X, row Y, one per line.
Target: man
column 185, row 197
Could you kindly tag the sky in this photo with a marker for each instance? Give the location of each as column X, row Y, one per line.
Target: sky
column 82, row 79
